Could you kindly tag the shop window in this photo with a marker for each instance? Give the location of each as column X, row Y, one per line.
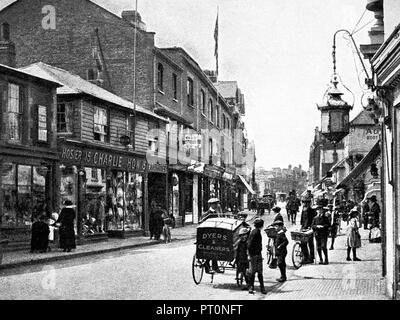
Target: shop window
column 42, row 123
column 124, row 201
column 95, row 176
column 175, row 85
column 100, row 125
column 24, row 192
column 64, row 117
column 160, row 77
column 14, row 112
column 190, row 92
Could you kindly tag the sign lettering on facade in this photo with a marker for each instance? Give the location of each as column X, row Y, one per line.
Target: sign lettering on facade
column 94, row 158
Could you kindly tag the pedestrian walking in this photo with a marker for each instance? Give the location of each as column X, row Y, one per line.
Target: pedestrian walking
column 213, row 212
column 307, row 216
column 292, row 207
column 320, row 226
column 158, row 221
column 169, row 223
column 278, row 216
column 281, row 243
column 40, row 235
column 333, row 216
column 353, row 236
column 365, row 214
column 254, row 249
column 242, row 261
column 66, row 229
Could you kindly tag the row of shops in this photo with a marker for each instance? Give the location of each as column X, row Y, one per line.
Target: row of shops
column 125, row 183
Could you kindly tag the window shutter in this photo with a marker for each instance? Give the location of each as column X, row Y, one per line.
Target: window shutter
column 35, row 123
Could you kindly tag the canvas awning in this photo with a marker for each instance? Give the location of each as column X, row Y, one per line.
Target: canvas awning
column 361, row 167
column 246, row 184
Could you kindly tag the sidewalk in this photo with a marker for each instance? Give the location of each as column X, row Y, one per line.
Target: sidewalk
column 16, row 259
column 340, row 280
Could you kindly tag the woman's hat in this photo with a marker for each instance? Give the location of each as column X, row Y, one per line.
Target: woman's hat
column 276, row 209
column 373, row 198
column 213, row 200
column 68, row 203
column 243, row 231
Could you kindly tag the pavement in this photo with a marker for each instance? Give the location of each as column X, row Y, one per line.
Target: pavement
column 14, row 259
column 339, row 280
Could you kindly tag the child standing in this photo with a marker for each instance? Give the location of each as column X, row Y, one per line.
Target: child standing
column 281, row 243
column 242, row 262
column 169, row 223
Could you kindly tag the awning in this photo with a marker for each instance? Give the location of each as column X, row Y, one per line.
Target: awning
column 361, row 167
column 246, row 184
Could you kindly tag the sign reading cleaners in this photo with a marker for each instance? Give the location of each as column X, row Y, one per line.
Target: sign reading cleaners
column 214, row 243
column 95, row 158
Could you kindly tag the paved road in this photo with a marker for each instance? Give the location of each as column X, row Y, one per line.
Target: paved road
column 164, row 271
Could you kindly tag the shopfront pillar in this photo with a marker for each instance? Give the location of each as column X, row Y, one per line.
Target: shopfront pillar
column 195, row 198
column 146, row 205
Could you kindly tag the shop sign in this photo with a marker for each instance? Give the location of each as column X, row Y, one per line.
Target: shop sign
column 157, row 167
column 214, row 243
column 212, row 172
column 227, row 176
column 95, row 158
column 192, row 141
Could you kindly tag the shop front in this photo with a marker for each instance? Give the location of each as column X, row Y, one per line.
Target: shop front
column 26, row 192
column 108, row 188
column 180, row 194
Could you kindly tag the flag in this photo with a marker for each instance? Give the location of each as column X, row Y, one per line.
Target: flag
column 216, row 43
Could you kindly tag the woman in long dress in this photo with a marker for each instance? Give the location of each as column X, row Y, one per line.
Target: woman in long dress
column 353, row 236
column 67, row 232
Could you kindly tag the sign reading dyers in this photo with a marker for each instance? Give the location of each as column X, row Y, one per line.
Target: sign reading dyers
column 214, row 243
column 95, row 158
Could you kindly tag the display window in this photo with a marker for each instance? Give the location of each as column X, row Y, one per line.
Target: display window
column 124, row 201
column 24, row 192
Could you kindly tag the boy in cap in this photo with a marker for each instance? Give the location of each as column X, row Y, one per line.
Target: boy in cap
column 320, row 225
column 242, row 262
column 281, row 243
column 254, row 249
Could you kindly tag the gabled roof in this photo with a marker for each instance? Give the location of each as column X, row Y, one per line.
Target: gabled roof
column 363, row 118
column 227, row 89
column 24, row 74
column 73, row 84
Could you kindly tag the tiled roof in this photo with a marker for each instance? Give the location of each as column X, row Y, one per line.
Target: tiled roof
column 73, row 84
column 363, row 118
column 227, row 89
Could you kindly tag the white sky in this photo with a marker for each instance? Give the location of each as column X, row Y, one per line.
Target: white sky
column 279, row 51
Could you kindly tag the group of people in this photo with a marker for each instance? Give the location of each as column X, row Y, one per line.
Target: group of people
column 160, row 223
column 42, row 227
column 248, row 257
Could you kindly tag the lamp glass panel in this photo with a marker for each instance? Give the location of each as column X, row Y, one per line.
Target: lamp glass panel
column 324, row 122
column 337, row 123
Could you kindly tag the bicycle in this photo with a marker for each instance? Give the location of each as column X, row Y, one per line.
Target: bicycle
column 297, row 253
column 270, row 247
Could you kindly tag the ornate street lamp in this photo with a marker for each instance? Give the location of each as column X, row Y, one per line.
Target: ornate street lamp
column 335, row 111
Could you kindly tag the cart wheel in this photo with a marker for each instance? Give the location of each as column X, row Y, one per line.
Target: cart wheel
column 297, row 256
column 197, row 269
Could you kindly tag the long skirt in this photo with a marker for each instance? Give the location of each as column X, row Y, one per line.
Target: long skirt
column 67, row 237
column 353, row 239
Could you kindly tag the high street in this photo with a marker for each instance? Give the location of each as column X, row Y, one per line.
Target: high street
column 163, row 272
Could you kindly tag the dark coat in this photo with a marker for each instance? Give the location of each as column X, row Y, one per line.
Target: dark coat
column 375, row 211
column 40, row 236
column 241, row 252
column 307, row 217
column 67, row 232
column 281, row 243
column 278, row 217
column 254, row 243
column 320, row 220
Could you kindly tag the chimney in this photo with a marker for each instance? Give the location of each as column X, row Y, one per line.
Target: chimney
column 376, row 33
column 211, row 75
column 129, row 16
column 7, row 47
